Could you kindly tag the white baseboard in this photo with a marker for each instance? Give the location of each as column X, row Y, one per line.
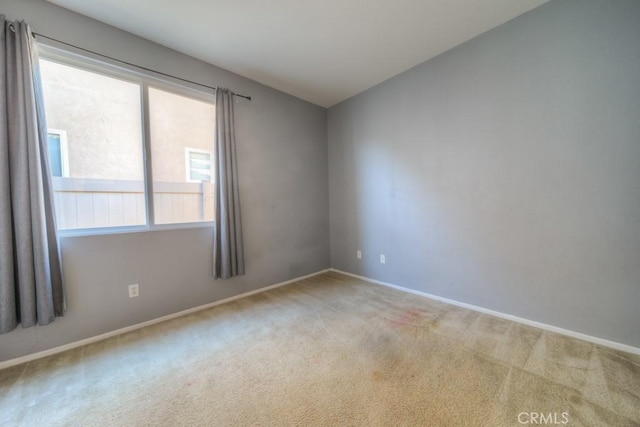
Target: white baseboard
column 75, row 344
column 544, row 326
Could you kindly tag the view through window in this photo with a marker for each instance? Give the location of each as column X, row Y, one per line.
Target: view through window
column 58, row 153
column 183, row 192
column 96, row 150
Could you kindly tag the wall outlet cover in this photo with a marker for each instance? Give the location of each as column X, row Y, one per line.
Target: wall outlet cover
column 134, row 290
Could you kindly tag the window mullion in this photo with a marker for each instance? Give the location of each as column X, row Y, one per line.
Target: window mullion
column 148, row 175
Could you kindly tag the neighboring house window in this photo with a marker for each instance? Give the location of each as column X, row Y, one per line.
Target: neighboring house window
column 198, row 165
column 105, row 113
column 58, row 152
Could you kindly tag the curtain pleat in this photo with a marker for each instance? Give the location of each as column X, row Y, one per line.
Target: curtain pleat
column 228, row 256
column 31, row 285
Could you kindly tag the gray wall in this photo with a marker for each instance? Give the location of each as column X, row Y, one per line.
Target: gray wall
column 504, row 173
column 284, row 195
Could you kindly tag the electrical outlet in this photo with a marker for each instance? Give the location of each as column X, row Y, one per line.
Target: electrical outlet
column 383, row 259
column 359, row 254
column 134, row 290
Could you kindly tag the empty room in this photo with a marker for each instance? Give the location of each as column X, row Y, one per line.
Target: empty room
column 320, row 213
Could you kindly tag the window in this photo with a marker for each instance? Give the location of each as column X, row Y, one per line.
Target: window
column 100, row 172
column 198, row 165
column 181, row 124
column 58, row 153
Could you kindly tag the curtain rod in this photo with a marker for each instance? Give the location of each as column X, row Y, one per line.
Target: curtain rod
column 134, row 65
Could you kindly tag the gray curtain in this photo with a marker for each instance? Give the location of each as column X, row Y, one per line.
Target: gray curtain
column 31, row 289
column 228, row 257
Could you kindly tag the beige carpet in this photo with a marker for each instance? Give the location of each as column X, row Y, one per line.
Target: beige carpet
column 327, row 351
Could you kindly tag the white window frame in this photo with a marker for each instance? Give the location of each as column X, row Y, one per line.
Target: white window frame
column 64, row 150
column 96, row 64
column 187, row 162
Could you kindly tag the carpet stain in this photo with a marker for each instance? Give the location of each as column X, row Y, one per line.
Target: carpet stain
column 408, row 317
column 378, row 376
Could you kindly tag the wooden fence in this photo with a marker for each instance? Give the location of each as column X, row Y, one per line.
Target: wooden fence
column 92, row 203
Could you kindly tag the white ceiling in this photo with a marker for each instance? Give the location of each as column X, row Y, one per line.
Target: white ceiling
column 323, row 51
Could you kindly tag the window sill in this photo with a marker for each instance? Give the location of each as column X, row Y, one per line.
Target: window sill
column 132, row 229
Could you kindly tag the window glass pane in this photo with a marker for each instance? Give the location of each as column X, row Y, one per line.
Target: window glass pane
column 55, row 154
column 182, row 136
column 199, row 166
column 102, row 119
